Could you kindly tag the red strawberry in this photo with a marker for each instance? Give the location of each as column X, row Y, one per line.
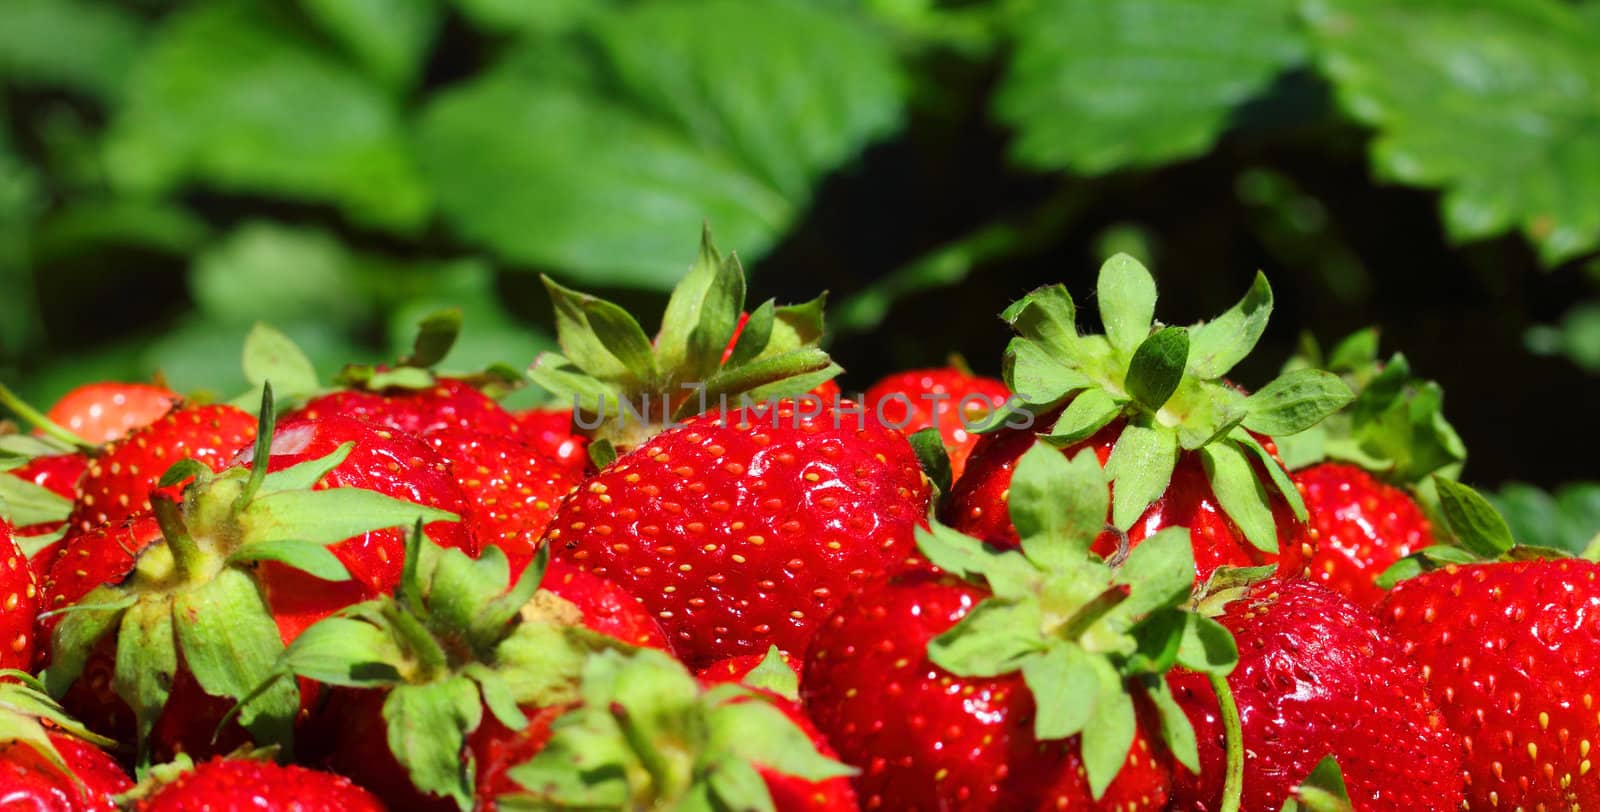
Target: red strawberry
column 551, row 432
column 37, row 744
column 121, row 478
column 510, row 489
column 925, row 739
column 1362, row 526
column 104, row 412
column 745, row 530
column 1511, row 652
column 1318, row 676
column 250, row 785
column 56, row 473
column 604, row 606
column 19, row 604
column 448, row 403
column 1185, row 445
column 949, row 399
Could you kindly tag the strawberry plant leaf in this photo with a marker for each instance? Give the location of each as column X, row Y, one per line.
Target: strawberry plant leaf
column 1532, row 61
column 24, row 503
column 1566, row 519
column 1242, row 495
column 1472, row 519
column 995, row 638
column 1057, row 505
column 1207, row 646
column 1089, row 412
column 1127, row 295
column 1094, row 86
column 1111, row 729
column 1140, row 467
column 673, row 126
column 757, row 732
column 388, row 37
column 217, row 98
column 1176, row 730
column 147, row 658
column 1295, row 401
column 1064, row 685
column 230, row 642
column 427, row 728
column 774, row 674
column 1218, row 345
column 269, row 355
column 1157, row 367
column 1160, row 572
column 308, row 557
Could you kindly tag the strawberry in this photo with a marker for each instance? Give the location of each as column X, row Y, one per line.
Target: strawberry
column 511, row 490
column 1510, row 652
column 551, row 432
column 1182, row 445
column 56, row 473
column 103, row 412
column 1018, row 679
column 19, row 604
column 1359, row 470
column 1318, row 676
column 48, row 761
column 950, row 399
column 745, row 530
column 200, row 610
column 447, row 403
column 604, row 607
column 254, row 785
column 122, row 476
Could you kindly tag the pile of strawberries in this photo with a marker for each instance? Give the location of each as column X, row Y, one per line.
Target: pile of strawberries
column 702, row 580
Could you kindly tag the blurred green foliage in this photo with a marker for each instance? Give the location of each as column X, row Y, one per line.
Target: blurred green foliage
column 172, row 171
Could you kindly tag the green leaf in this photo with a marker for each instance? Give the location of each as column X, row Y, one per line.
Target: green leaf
column 345, row 651
column 231, row 643
column 497, row 695
column 24, row 503
column 269, row 355
column 389, row 37
column 774, row 674
column 719, row 317
column 1089, row 412
column 313, row 559
column 147, row 659
column 1566, row 519
column 1058, row 506
column 1323, row 791
column 1280, row 478
column 1109, row 735
column 1157, row 367
column 933, row 457
column 1176, row 730
column 690, row 131
column 1472, row 519
column 993, row 639
column 77, row 634
column 1038, row 375
column 1127, row 302
column 326, row 517
column 966, row 557
column 436, row 334
column 1065, row 687
column 1095, row 86
column 758, row 732
column 219, row 98
column 1424, row 560
column 427, row 728
column 301, row 476
column 1160, row 570
column 1526, row 167
column 462, row 588
column 578, row 338
column 1140, row 468
column 1240, row 492
column 617, row 331
column 1207, row 646
column 1296, row 401
column 693, row 305
column 1046, row 315
column 737, row 785
column 83, row 46
column 1218, row 345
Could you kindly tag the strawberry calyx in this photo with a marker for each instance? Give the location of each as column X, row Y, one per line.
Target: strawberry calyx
column 25, row 712
column 648, row 735
column 1168, row 384
column 1481, row 535
column 1085, row 633
column 194, row 597
column 1323, row 790
column 626, row 387
column 1395, row 427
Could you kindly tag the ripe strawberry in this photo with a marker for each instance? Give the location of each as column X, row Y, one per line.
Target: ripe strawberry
column 551, row 432
column 1318, row 676
column 19, row 604
column 48, row 762
column 1036, row 692
column 603, row 606
column 1510, row 651
column 510, row 489
column 448, row 403
column 176, row 627
column 104, row 412
column 949, row 399
column 1181, row 444
column 1362, row 526
column 121, row 478
column 56, row 473
column 251, row 785
column 745, row 530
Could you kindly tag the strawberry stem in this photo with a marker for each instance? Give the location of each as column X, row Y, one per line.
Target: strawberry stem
column 39, row 421
column 1233, row 784
column 185, row 553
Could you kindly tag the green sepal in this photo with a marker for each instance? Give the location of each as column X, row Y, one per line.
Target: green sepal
column 718, row 318
column 1086, row 414
column 755, row 731
column 493, row 619
column 304, row 475
column 1159, row 572
column 965, row 557
column 1039, row 377
column 1323, row 790
column 74, row 638
column 32, row 545
column 146, row 660
column 329, row 516
column 436, row 334
column 734, row 784
column 995, row 638
column 774, row 674
column 1157, row 367
column 1061, row 678
column 1425, row 560
column 427, row 727
column 1275, row 473
column 1296, row 401
column 602, row 453
column 497, row 695
column 184, row 470
column 378, row 380
column 461, row 586
column 308, row 557
column 24, row 708
column 1472, row 520
column 18, row 449
column 24, row 503
column 1127, row 296
column 231, row 644
column 1140, row 468
column 573, row 385
column 1216, row 346
column 1057, row 505
column 933, row 457
column 1111, row 729
column 1241, row 493
column 345, row 651
column 1208, row 647
column 754, row 338
column 1176, row 730
column 1045, row 315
